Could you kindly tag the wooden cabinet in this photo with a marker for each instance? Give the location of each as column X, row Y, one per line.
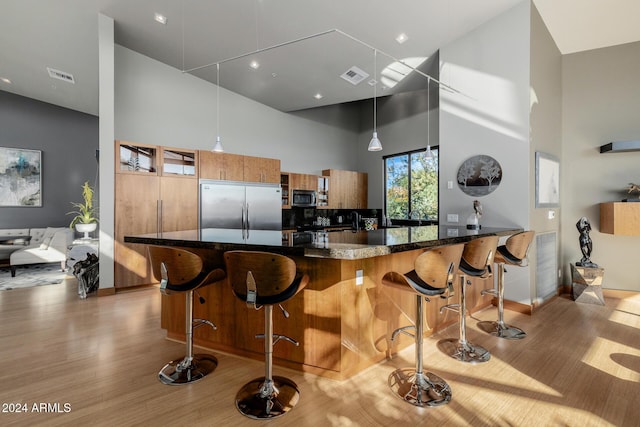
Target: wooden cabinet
column 136, row 211
column 347, row 189
column 222, row 166
column 296, row 181
column 261, row 169
column 622, row 218
column 284, row 185
column 301, row 181
column 150, row 199
column 235, row 167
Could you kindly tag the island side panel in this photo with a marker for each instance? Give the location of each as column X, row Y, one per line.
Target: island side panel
column 342, row 327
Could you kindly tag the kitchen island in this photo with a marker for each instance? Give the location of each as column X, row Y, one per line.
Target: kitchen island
column 344, row 317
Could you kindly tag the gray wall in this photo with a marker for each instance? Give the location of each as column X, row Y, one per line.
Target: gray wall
column 601, row 100
column 401, row 125
column 68, row 141
column 158, row 104
column 491, row 67
column 546, row 127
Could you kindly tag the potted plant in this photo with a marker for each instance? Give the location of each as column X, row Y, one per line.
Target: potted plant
column 85, row 219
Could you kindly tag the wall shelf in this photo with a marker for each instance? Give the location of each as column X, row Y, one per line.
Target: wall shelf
column 621, row 218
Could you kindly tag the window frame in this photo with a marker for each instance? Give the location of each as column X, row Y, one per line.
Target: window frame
column 384, row 174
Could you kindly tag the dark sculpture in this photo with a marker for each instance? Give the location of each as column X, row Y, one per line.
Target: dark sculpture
column 88, row 274
column 584, row 227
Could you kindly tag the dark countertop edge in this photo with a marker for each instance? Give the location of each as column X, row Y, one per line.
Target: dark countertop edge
column 285, row 250
column 327, row 253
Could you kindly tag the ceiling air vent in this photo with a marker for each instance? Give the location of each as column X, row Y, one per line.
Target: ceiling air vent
column 61, row 75
column 354, row 75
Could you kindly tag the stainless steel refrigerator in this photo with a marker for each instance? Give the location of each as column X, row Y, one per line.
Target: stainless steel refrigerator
column 244, row 206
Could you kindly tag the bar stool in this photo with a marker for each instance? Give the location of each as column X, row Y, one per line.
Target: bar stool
column 432, row 276
column 264, row 279
column 513, row 252
column 181, row 271
column 476, row 261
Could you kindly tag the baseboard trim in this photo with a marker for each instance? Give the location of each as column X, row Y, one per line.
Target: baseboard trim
column 104, row 292
column 518, row 307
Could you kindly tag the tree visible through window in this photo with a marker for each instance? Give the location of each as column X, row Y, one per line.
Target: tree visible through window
column 411, row 186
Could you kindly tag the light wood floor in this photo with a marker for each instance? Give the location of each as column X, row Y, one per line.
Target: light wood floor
column 579, row 366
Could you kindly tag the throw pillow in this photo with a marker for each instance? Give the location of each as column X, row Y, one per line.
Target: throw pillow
column 46, row 239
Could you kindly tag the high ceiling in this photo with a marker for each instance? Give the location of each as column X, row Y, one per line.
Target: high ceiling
column 63, row 35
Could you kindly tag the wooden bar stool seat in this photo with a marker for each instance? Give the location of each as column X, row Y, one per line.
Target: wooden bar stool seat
column 181, row 271
column 476, row 261
column 265, row 279
column 513, row 252
column 433, row 274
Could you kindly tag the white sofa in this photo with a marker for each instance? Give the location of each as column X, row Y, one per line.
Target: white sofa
column 46, row 245
column 8, row 247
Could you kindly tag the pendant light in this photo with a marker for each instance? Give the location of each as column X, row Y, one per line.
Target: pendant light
column 429, row 154
column 374, row 144
column 218, row 147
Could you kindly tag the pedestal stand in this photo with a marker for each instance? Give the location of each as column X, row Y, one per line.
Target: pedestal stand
column 586, row 284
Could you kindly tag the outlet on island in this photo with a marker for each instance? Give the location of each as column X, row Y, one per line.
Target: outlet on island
column 452, row 217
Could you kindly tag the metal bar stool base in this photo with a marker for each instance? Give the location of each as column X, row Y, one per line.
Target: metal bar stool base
column 502, row 330
column 419, row 390
column 468, row 353
column 251, row 403
column 201, row 365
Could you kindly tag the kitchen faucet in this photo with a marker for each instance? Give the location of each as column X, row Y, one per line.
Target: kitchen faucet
column 419, row 218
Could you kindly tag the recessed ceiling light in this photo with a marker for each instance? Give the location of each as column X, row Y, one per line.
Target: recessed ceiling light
column 402, row 38
column 5, row 80
column 254, row 64
column 158, row 17
column 318, row 96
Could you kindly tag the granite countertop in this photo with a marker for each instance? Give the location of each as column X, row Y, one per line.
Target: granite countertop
column 336, row 245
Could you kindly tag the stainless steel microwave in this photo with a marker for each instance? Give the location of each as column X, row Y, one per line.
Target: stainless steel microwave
column 303, row 198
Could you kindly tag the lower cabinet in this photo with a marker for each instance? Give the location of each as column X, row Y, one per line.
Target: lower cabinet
column 149, row 204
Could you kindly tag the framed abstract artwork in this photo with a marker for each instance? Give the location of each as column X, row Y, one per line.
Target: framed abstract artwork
column 547, row 181
column 20, row 177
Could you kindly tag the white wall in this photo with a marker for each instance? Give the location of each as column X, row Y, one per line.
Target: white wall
column 107, row 156
column 490, row 67
column 601, row 100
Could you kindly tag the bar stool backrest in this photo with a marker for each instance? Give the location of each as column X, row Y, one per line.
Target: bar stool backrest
column 519, row 243
column 479, row 253
column 182, row 266
column 273, row 273
column 437, row 266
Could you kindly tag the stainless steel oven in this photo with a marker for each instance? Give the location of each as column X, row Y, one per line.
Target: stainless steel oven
column 303, row 198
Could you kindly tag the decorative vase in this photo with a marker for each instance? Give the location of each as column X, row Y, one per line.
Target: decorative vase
column 86, row 229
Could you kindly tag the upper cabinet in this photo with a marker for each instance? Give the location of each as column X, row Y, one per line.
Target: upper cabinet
column 179, row 162
column 136, row 158
column 144, row 159
column 347, row 189
column 223, row 166
column 235, row 167
column 261, row 169
column 301, row 181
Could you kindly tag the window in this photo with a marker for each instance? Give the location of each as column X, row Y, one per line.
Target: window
column 411, row 186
